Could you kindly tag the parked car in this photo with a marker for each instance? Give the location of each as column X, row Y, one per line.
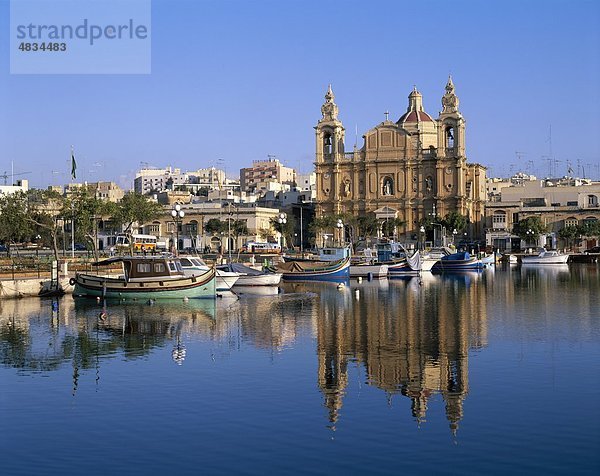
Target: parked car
column 593, row 249
column 78, row 247
column 3, row 248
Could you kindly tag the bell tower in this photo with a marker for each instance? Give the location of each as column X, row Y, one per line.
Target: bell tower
column 451, row 134
column 330, row 131
column 330, row 135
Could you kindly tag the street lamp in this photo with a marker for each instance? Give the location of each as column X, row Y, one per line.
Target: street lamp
column 454, row 233
column 422, row 230
column 340, row 225
column 177, row 213
column 282, row 220
column 529, row 234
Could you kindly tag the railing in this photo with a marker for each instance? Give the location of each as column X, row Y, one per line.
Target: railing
column 349, row 155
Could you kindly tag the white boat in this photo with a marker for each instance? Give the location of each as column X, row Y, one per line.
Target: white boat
column 364, row 270
column 249, row 276
column 194, row 266
column 545, row 257
column 432, row 256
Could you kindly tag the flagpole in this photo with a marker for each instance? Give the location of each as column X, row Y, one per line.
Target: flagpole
column 73, row 168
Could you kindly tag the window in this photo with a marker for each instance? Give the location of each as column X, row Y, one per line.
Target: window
column 159, row 268
column 327, row 144
column 572, row 221
column 499, row 220
column 450, row 137
column 592, row 200
column 172, row 266
column 143, row 268
column 571, row 204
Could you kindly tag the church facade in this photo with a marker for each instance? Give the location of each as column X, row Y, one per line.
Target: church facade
column 413, row 169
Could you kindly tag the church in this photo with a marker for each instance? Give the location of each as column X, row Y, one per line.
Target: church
column 412, row 169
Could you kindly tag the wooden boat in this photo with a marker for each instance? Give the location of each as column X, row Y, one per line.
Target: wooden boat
column 195, row 266
column 146, row 277
column 461, row 261
column 545, row 257
column 249, row 276
column 316, row 270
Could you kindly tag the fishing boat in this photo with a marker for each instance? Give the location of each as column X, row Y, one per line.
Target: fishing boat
column 248, row 276
column 194, row 266
column 545, row 257
column 145, row 277
column 461, row 261
column 316, row 270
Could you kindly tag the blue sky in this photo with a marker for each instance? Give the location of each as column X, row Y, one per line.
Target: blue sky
column 235, row 81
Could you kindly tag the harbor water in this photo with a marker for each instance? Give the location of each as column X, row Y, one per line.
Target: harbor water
column 476, row 373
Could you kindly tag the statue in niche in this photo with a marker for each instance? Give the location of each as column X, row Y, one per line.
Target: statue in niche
column 429, row 184
column 347, row 188
column 387, row 186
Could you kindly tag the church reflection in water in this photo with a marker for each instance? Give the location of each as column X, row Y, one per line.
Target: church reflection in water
column 412, row 339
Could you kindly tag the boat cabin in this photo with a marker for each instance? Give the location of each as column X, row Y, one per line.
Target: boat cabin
column 334, row 253
column 146, row 267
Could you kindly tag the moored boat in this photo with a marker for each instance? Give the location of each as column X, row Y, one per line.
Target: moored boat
column 249, row 276
column 545, row 257
column 461, row 261
column 194, row 266
column 316, row 270
column 373, row 270
column 146, row 277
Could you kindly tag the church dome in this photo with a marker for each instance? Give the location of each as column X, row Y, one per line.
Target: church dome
column 415, row 112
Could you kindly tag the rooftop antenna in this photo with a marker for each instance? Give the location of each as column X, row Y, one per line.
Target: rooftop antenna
column 545, row 158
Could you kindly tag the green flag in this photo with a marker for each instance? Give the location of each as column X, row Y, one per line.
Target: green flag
column 73, row 165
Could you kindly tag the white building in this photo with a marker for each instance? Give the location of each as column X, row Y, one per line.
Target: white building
column 20, row 186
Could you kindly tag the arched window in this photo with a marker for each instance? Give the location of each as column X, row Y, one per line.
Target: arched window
column 387, row 186
column 327, row 144
column 592, row 200
column 449, row 137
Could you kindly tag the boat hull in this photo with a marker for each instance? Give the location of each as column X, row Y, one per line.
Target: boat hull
column 366, row 270
column 193, row 287
column 472, row 264
column 561, row 259
column 268, row 279
column 321, row 271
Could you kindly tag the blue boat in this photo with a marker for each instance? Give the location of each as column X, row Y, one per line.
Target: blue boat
column 461, row 261
column 315, row 270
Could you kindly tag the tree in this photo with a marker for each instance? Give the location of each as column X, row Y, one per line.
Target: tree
column 45, row 212
column 14, row 226
column 530, row 227
column 389, row 226
column 454, row 221
column 286, row 229
column 88, row 210
column 589, row 228
column 135, row 208
column 322, row 224
column 569, row 233
column 214, row 226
